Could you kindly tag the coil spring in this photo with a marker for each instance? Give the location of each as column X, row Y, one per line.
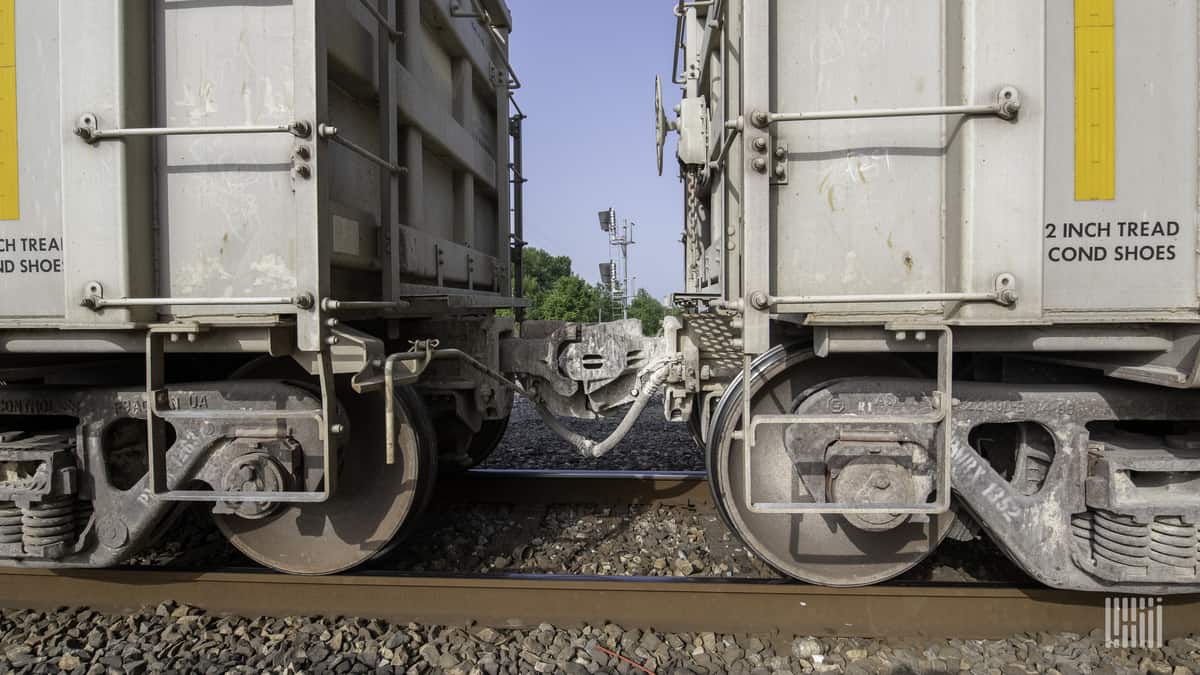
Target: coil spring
column 83, row 514
column 1037, row 467
column 49, row 522
column 10, row 523
column 1121, row 540
column 1173, row 542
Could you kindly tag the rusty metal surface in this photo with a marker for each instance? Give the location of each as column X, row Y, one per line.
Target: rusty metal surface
column 739, row 607
column 506, row 486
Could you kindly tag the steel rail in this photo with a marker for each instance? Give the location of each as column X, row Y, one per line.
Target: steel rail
column 524, row 487
column 936, row 612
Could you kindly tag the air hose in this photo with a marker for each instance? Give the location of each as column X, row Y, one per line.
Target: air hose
column 657, row 373
column 590, row 448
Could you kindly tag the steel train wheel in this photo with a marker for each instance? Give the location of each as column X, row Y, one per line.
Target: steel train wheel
column 694, row 426
column 821, row 549
column 374, row 505
column 485, row 442
column 462, row 449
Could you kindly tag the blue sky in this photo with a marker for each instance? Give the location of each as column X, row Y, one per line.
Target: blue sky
column 587, row 71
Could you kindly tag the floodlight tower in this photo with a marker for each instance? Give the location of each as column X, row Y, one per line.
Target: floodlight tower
column 620, row 238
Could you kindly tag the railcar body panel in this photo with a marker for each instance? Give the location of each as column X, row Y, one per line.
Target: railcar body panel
column 358, row 201
column 74, row 213
column 995, row 203
column 1087, row 196
column 1125, row 115
column 234, row 213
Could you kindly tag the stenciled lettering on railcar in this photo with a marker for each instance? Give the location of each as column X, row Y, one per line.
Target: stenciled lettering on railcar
column 1112, row 241
column 31, row 255
column 135, row 405
column 1040, row 407
column 35, row 406
column 971, row 468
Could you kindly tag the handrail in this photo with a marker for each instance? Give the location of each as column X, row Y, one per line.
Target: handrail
column 88, row 128
column 393, row 33
column 1006, row 106
column 481, row 14
column 332, row 133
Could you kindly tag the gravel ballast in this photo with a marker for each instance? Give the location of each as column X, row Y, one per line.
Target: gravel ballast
column 639, row 540
column 678, row 541
column 592, row 540
column 179, row 639
column 654, row 444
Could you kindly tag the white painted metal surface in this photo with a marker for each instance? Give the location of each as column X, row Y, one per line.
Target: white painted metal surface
column 940, row 206
column 213, row 179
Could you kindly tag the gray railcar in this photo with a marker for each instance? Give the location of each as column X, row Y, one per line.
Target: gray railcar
column 955, row 245
column 940, row 278
column 191, row 188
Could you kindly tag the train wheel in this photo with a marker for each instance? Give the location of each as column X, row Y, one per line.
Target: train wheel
column 374, row 505
column 483, row 443
column 820, row 549
column 460, row 448
column 695, row 426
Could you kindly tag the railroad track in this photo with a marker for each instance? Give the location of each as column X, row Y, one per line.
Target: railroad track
column 937, row 612
column 979, row 611
column 524, row 486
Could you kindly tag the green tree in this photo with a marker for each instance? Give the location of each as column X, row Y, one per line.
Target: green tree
column 540, row 272
column 569, row 299
column 649, row 310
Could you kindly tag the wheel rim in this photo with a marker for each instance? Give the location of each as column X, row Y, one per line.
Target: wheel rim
column 485, row 442
column 373, row 507
column 820, row 549
column 695, row 428
column 460, row 448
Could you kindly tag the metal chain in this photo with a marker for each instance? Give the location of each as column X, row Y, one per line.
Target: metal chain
column 693, row 216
